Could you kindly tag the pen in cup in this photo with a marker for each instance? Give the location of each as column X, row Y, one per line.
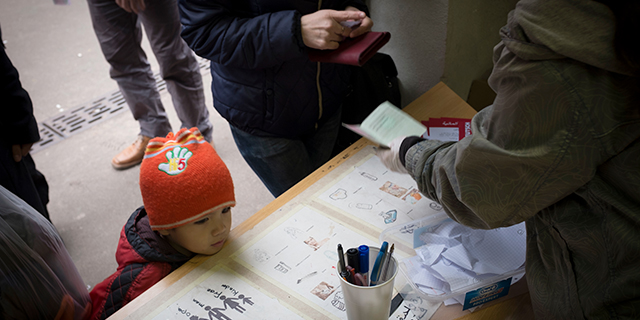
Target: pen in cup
column 363, row 266
column 360, row 280
column 387, row 264
column 367, row 302
column 353, row 259
column 343, row 268
column 352, row 274
column 377, row 266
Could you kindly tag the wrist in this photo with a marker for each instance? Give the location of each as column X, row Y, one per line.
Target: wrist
column 297, row 30
column 407, row 143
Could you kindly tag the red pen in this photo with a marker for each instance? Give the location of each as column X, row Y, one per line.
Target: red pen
column 352, row 271
column 360, row 280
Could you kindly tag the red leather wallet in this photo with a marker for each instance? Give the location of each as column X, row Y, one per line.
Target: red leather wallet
column 353, row 51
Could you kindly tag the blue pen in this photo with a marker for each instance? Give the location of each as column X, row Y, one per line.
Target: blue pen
column 363, row 252
column 375, row 272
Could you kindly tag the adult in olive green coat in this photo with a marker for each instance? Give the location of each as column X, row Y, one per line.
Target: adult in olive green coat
column 559, row 149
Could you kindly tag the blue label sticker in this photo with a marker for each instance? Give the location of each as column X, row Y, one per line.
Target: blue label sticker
column 486, row 294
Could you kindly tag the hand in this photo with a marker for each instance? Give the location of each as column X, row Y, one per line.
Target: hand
column 135, row 6
column 322, row 29
column 364, row 27
column 20, row 150
column 177, row 161
column 391, row 157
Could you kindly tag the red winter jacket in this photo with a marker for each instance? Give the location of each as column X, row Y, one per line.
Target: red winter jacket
column 143, row 257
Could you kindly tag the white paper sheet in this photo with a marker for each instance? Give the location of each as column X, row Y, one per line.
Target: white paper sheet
column 378, row 196
column 444, row 133
column 301, row 254
column 415, row 308
column 224, row 295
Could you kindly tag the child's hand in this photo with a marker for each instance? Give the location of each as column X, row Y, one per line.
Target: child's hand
column 177, row 161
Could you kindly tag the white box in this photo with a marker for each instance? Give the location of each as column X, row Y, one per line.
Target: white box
column 399, row 235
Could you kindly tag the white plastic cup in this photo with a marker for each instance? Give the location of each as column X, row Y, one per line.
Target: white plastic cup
column 369, row 303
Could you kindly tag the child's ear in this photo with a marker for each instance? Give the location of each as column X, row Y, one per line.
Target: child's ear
column 164, row 232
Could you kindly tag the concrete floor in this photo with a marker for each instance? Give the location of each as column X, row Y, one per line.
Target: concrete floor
column 61, row 66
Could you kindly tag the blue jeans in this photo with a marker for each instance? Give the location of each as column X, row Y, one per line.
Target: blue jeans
column 281, row 163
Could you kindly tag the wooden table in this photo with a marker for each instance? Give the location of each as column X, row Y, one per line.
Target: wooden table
column 440, row 101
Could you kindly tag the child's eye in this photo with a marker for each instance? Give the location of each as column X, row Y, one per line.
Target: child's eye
column 227, row 209
column 201, row 221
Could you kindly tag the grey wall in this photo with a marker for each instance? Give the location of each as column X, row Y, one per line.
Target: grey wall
column 472, row 32
column 418, row 36
column 440, row 40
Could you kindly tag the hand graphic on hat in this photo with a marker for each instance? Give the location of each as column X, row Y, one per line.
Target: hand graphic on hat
column 177, row 161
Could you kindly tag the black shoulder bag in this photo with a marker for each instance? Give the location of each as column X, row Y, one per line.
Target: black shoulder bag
column 372, row 84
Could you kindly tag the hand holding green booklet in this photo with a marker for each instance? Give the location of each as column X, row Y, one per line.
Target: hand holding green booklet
column 386, row 123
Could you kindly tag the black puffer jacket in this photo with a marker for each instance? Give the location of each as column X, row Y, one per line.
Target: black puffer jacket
column 263, row 82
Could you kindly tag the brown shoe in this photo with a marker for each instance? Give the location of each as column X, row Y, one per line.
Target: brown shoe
column 132, row 155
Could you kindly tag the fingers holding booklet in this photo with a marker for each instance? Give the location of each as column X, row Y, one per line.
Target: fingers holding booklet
column 386, row 123
column 388, row 126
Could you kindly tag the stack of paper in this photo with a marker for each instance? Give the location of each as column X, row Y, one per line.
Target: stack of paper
column 450, row 256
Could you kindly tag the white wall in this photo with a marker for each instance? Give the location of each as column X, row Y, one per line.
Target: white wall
column 440, row 40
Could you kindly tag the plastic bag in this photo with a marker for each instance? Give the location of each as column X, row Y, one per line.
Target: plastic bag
column 38, row 279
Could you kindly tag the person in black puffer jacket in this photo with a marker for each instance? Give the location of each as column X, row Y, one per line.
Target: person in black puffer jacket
column 282, row 108
column 18, row 132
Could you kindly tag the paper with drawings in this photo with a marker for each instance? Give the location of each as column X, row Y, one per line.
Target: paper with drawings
column 221, row 294
column 450, row 256
column 300, row 254
column 378, row 196
column 414, row 307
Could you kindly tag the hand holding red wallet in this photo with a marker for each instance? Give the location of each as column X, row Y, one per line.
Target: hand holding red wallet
column 323, row 30
column 353, row 51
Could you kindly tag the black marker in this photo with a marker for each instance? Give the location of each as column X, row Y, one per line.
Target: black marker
column 346, row 275
column 353, row 259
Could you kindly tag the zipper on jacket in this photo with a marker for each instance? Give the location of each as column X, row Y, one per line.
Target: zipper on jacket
column 318, row 82
column 319, row 95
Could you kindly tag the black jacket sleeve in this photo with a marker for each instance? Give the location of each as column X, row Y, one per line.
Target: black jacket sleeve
column 17, row 124
column 231, row 36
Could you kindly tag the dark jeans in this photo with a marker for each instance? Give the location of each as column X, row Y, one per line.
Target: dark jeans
column 281, row 163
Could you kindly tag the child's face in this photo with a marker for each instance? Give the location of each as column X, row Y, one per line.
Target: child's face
column 205, row 236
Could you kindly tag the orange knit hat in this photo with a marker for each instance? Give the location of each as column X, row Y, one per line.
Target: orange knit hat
column 182, row 179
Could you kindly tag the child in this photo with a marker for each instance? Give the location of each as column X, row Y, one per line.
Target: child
column 187, row 194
